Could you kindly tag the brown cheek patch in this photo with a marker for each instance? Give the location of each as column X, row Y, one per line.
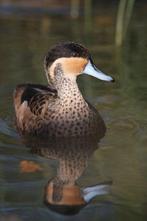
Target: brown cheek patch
column 74, row 65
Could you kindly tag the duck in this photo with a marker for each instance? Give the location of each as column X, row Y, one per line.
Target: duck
column 58, row 109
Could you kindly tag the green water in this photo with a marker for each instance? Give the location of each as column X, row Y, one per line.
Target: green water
column 122, row 153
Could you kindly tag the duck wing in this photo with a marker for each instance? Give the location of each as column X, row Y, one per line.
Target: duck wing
column 36, row 98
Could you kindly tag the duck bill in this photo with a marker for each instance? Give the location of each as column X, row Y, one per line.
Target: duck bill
column 91, row 70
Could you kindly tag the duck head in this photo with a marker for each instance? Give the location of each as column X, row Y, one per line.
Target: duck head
column 70, row 60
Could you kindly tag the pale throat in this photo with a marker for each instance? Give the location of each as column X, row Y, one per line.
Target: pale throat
column 66, row 85
column 69, row 90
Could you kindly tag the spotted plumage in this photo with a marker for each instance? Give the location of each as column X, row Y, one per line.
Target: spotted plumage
column 58, row 109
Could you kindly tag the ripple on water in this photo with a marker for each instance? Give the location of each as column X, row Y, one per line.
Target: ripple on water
column 125, row 124
column 5, row 129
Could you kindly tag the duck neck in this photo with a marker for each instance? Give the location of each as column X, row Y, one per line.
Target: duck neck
column 68, row 91
column 66, row 85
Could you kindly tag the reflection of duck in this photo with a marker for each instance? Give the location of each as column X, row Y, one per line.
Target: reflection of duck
column 62, row 193
column 59, row 109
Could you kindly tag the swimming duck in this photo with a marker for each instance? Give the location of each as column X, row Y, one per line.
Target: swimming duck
column 59, row 108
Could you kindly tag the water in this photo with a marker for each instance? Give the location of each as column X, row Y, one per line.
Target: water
column 121, row 156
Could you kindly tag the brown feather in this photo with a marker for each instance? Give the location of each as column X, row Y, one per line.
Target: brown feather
column 31, row 103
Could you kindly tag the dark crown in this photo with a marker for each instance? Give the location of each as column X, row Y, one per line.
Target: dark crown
column 67, row 49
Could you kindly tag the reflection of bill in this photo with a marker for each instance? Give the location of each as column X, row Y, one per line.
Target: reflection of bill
column 62, row 194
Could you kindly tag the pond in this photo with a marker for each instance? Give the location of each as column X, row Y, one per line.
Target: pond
column 121, row 156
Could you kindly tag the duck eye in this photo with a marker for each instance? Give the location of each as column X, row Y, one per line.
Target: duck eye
column 73, row 54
